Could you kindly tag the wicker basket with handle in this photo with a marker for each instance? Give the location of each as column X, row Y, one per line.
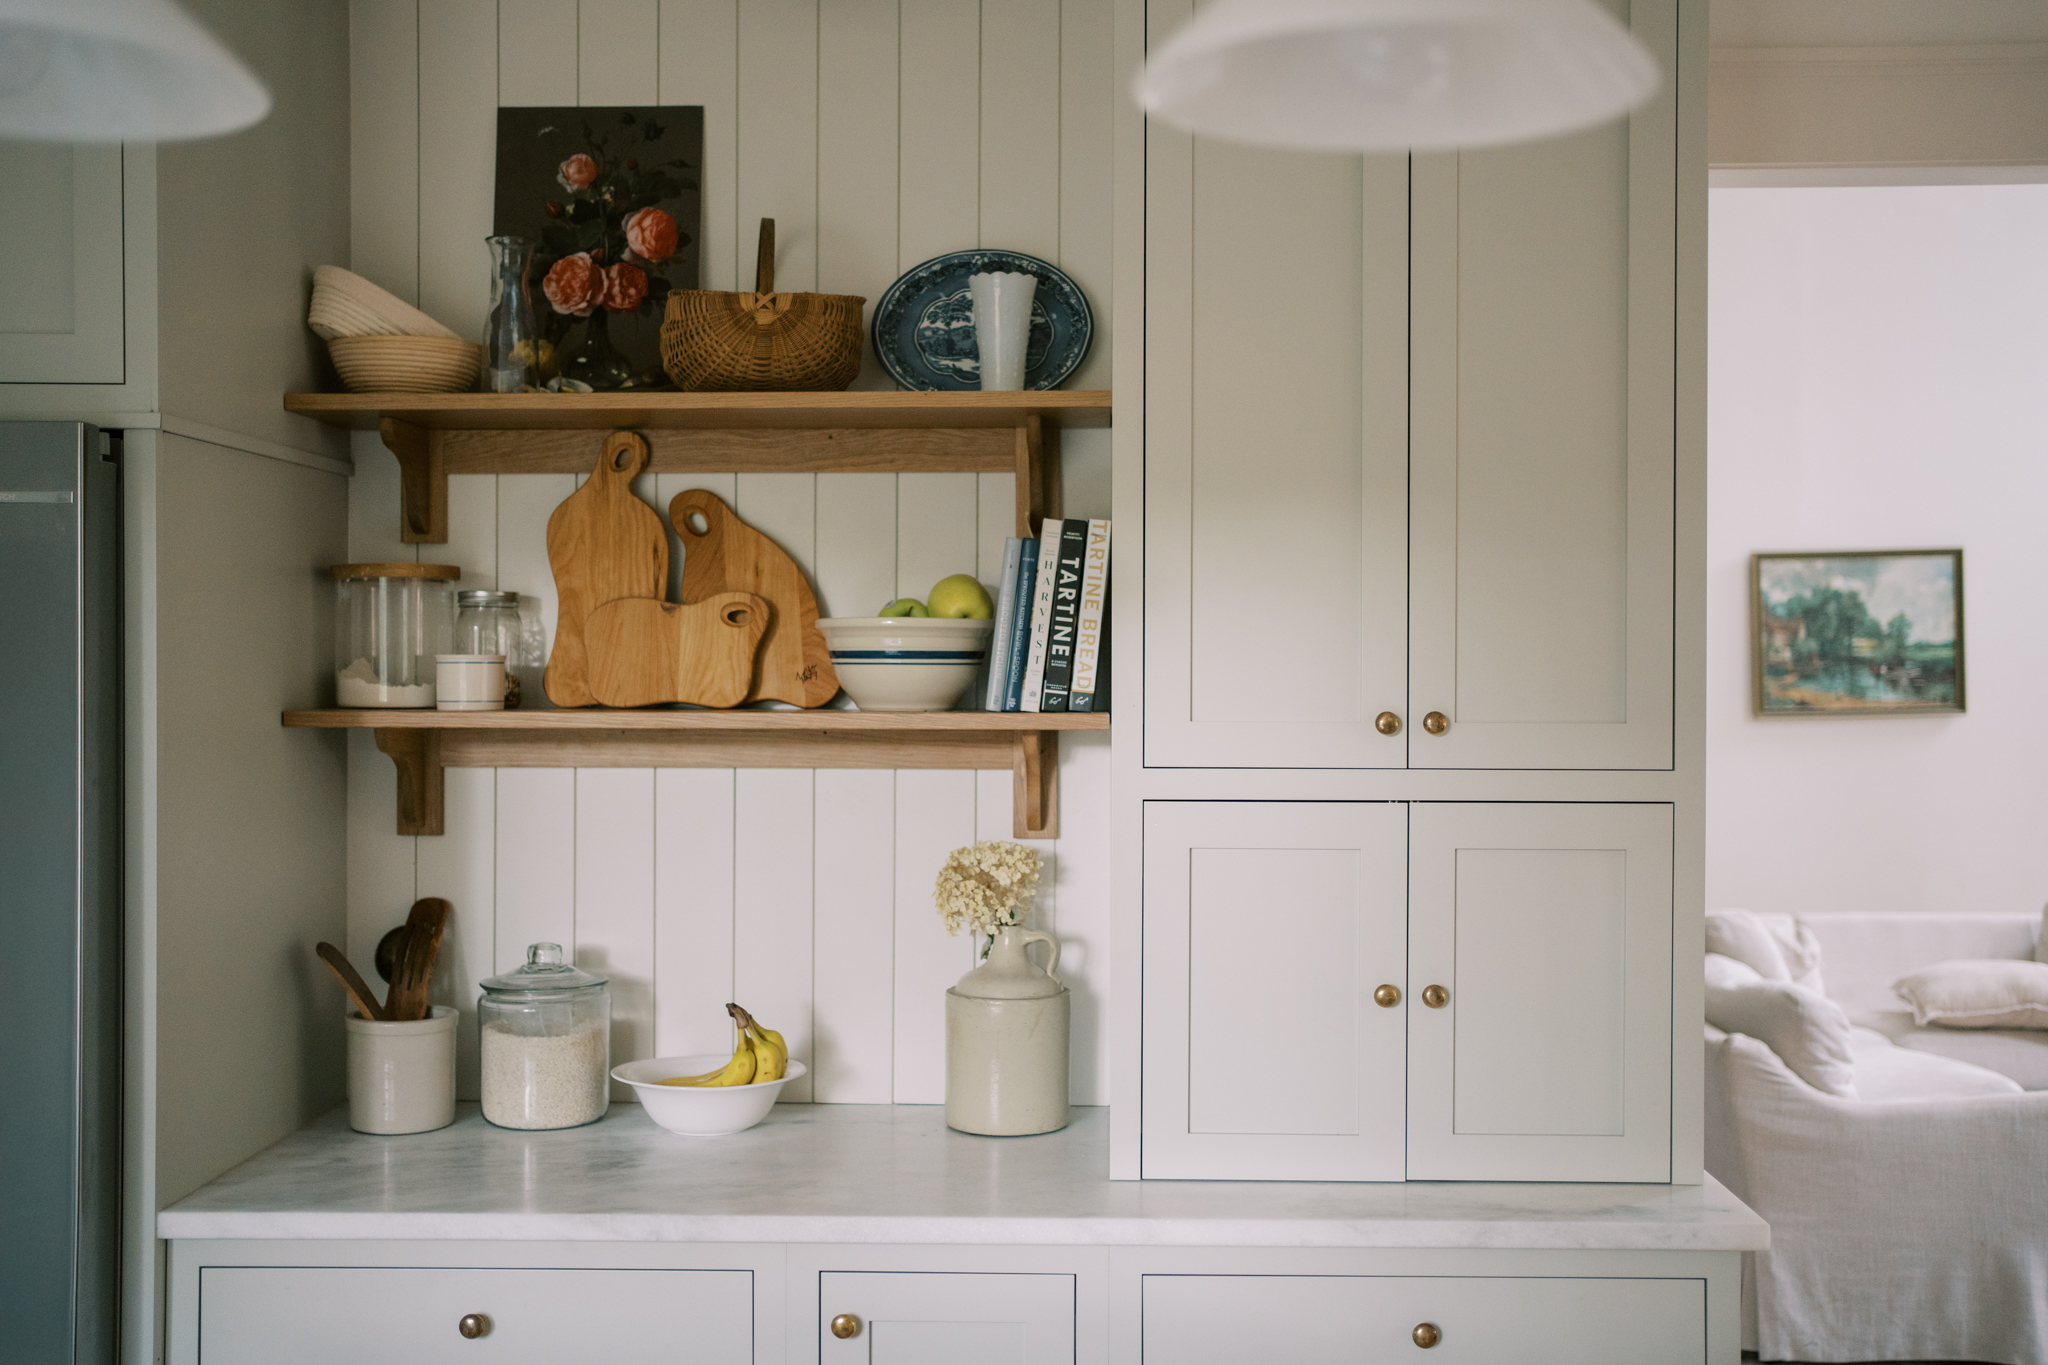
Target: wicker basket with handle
column 716, row 341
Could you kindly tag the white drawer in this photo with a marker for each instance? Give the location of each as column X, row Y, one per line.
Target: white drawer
column 1361, row 1320
column 263, row 1315
column 972, row 1318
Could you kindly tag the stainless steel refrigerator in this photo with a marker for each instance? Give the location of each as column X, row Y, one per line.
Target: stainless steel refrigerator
column 60, row 892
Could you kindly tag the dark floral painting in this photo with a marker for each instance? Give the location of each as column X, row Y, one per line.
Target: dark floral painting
column 611, row 198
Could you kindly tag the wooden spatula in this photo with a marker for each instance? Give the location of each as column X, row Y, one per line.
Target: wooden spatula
column 415, row 977
column 351, row 981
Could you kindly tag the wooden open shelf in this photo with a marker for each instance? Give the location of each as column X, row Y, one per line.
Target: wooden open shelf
column 423, row 743
column 438, row 434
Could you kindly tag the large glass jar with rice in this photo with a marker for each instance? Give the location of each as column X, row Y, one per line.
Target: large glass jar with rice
column 546, row 1043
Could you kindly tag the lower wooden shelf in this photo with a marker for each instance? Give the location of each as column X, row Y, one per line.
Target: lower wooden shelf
column 423, row 743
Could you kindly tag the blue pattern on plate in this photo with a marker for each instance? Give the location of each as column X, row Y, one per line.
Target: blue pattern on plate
column 924, row 324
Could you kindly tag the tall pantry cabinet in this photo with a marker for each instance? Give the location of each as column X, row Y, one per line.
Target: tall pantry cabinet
column 1414, row 803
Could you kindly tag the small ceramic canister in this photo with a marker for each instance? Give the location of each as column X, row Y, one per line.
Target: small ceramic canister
column 469, row 682
column 401, row 1076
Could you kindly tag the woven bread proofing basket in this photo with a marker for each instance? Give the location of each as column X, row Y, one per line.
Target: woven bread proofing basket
column 715, row 341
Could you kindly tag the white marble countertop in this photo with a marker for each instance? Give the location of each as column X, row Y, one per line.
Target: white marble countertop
column 880, row 1173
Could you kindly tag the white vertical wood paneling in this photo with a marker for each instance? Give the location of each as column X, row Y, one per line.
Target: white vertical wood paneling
column 525, row 502
column 693, row 910
column 666, row 486
column 699, row 52
column 939, row 136
column 1083, row 910
column 778, row 137
column 618, row 51
column 857, row 49
column 935, row 530
column 537, row 53
column 772, row 906
column 615, row 901
column 1020, row 127
column 853, row 945
column 461, row 868
column 856, row 549
column 380, row 863
column 458, row 157
column 373, row 505
column 934, row 816
column 783, row 507
column 472, row 530
column 1088, row 95
column 536, row 861
column 383, row 144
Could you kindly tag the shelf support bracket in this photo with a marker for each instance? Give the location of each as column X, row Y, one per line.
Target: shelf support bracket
column 417, row 754
column 1038, row 476
column 1035, row 779
column 422, row 481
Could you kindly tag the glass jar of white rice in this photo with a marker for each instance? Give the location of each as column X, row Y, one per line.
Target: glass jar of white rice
column 546, row 1043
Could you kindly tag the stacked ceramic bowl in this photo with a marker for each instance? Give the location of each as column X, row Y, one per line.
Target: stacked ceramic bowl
column 901, row 663
column 382, row 344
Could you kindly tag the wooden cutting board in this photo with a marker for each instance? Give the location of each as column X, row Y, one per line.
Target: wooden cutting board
column 730, row 556
column 603, row 543
column 644, row 652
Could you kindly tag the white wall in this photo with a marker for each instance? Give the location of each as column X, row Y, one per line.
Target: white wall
column 1878, row 379
column 877, row 133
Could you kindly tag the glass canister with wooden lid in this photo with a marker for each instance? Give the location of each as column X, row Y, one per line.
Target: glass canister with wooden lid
column 390, row 620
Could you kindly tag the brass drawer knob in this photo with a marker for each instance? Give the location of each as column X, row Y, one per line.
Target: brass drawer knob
column 845, row 1325
column 1386, row 997
column 1436, row 997
column 473, row 1325
column 1426, row 1335
column 1436, row 722
column 1387, row 723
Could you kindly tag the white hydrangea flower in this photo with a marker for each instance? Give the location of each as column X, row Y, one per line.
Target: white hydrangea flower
column 986, row 886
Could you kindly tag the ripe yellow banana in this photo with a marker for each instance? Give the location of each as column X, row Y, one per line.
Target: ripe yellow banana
column 738, row 1071
column 769, row 1048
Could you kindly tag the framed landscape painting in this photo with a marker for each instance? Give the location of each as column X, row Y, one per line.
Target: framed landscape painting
column 1857, row 633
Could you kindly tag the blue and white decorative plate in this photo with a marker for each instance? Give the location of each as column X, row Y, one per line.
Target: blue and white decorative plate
column 924, row 325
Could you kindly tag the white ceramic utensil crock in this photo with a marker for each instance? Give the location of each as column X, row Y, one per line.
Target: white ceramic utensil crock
column 401, row 1076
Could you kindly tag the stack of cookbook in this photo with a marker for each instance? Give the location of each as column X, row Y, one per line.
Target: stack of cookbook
column 1050, row 650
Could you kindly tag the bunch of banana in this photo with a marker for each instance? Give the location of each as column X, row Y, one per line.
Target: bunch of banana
column 759, row 1055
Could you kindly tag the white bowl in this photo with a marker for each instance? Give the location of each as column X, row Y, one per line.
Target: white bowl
column 906, row 663
column 699, row 1110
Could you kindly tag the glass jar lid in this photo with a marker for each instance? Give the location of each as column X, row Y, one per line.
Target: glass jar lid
column 442, row 573
column 547, row 973
column 480, row 597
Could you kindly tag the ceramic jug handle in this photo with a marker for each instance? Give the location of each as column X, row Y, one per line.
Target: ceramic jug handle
column 1052, row 964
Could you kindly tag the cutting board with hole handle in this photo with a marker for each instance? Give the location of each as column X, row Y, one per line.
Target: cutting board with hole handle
column 728, row 555
column 643, row 652
column 603, row 544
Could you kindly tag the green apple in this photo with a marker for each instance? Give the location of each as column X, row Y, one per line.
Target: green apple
column 961, row 597
column 904, row 606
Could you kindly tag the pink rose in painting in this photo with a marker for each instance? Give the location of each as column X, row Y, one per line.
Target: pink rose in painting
column 577, row 172
column 652, row 235
column 574, row 285
column 624, row 287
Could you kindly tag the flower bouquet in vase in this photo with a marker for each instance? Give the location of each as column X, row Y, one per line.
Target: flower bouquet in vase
column 1007, row 1021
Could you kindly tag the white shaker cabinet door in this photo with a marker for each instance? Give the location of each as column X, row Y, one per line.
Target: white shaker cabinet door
column 1276, row 453
column 61, row 264
column 357, row 1315
column 904, row 1318
column 1358, row 1320
column 1543, row 444
column 1269, row 926
column 1539, row 1047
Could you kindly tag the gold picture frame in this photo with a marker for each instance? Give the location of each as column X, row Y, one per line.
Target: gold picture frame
column 1857, row 633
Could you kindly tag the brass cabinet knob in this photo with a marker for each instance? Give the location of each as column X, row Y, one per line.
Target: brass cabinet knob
column 473, row 1325
column 1386, row 997
column 845, row 1325
column 1436, row 722
column 1387, row 723
column 1436, row 997
column 1426, row 1335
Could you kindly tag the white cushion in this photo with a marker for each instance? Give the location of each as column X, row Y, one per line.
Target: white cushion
column 1866, row 951
column 1885, row 1071
column 1777, row 946
column 1808, row 1031
column 2019, row 1053
column 1725, row 971
column 1997, row 993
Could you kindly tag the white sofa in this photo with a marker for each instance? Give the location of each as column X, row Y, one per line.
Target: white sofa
column 1910, row 1223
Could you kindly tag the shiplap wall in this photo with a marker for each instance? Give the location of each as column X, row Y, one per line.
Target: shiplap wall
column 877, row 133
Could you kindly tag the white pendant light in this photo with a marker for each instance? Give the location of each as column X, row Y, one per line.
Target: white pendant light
column 118, row 70
column 1396, row 75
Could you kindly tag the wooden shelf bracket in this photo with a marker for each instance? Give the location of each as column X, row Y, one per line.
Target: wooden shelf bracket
column 417, row 754
column 422, row 481
column 1035, row 783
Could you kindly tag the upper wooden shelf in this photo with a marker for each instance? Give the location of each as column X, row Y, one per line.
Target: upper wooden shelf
column 600, row 718
column 673, row 411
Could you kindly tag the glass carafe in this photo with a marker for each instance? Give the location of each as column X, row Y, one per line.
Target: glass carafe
column 510, row 338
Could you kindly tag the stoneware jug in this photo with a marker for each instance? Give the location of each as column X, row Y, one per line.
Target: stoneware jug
column 1006, row 1041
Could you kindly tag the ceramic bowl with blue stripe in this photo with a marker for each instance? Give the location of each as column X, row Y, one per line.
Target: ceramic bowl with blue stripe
column 906, row 663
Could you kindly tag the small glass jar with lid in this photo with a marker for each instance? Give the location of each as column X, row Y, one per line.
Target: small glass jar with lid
column 390, row 620
column 546, row 1043
column 488, row 623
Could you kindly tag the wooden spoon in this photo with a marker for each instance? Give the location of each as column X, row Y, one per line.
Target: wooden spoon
column 415, row 976
column 351, row 981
